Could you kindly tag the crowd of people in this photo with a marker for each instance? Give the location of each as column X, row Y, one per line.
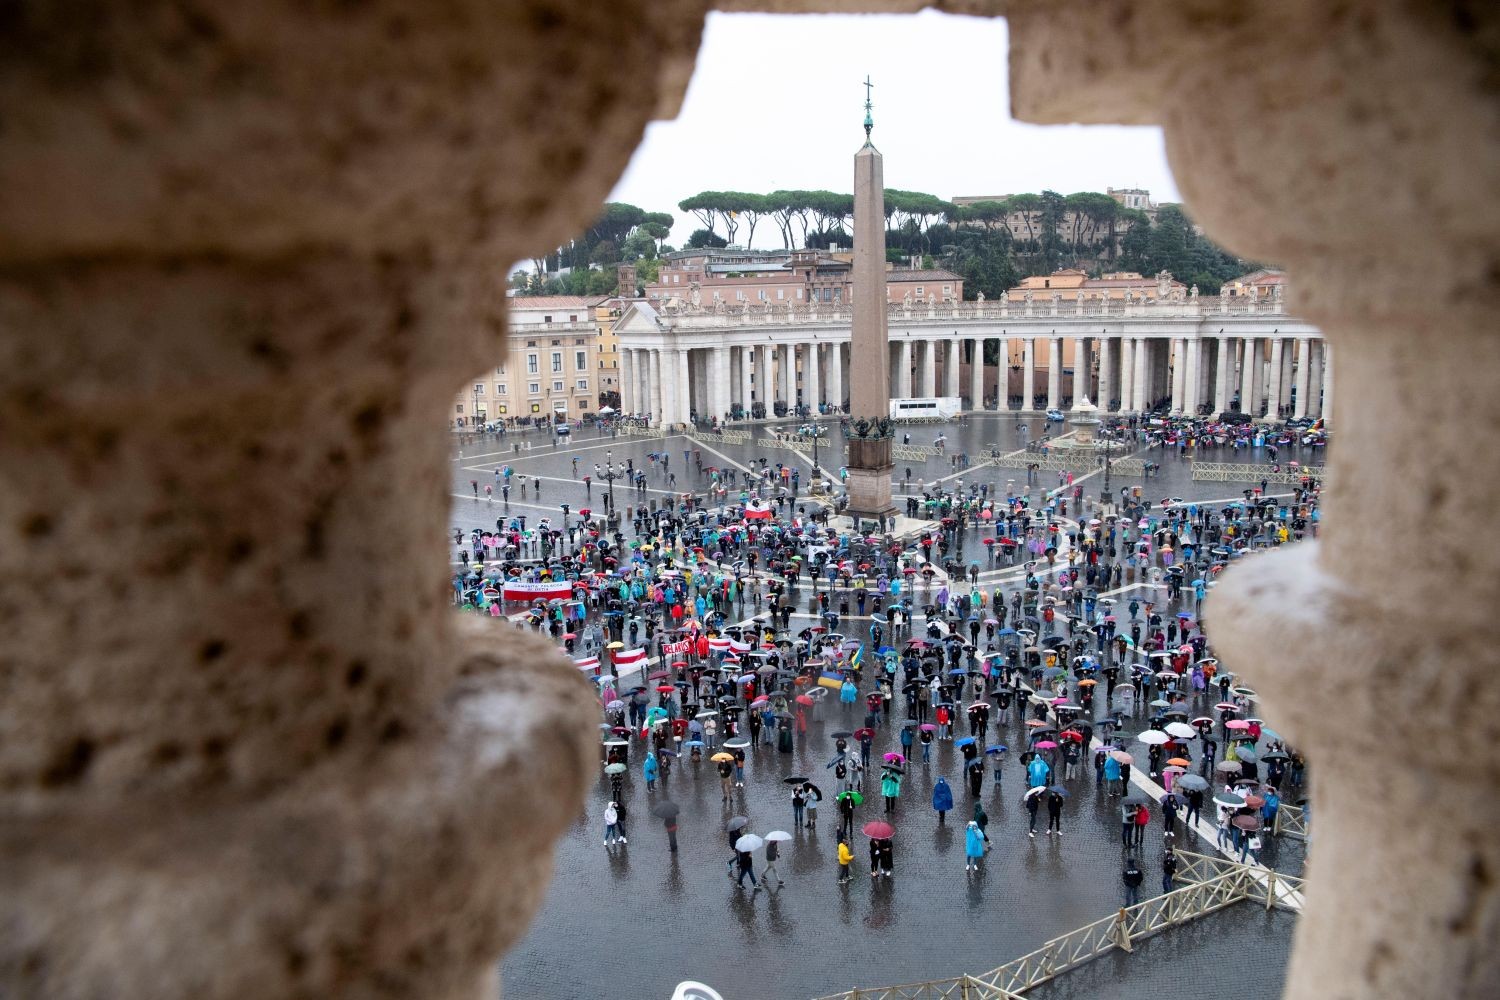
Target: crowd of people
column 1049, row 634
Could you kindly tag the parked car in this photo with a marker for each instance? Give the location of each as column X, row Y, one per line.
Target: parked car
column 1056, row 416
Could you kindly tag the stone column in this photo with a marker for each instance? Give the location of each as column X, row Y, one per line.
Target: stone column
column 927, row 385
column 1304, row 365
column 1315, row 380
column 1247, row 376
column 1194, row 376
column 951, row 356
column 1327, row 409
column 627, row 380
column 1106, row 373
column 1273, row 392
column 1002, row 376
column 747, row 387
column 719, row 382
column 1127, row 374
column 1054, row 372
column 976, row 374
column 812, row 375
column 1082, row 372
column 1258, row 366
column 903, row 370
column 664, row 373
column 684, row 385
column 1028, row 373
column 836, row 374
column 787, row 374
column 1178, row 347
column 1223, row 374
column 1140, row 384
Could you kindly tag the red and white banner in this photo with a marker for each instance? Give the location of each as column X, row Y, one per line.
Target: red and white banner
column 739, row 647
column 719, row 644
column 757, row 510
column 518, row 590
column 629, row 657
column 588, row 663
column 677, row 647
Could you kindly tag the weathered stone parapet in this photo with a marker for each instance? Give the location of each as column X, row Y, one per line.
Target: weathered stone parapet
column 246, row 747
column 1347, row 143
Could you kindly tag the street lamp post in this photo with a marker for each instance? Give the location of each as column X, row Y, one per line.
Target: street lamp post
column 609, row 477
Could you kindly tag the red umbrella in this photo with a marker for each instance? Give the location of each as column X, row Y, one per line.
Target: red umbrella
column 803, row 699
column 659, row 675
column 665, row 688
column 862, row 734
column 878, row 830
column 1071, row 734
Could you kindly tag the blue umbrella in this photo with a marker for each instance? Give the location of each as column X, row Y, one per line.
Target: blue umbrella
column 1058, row 790
column 694, row 743
column 1006, row 631
column 965, row 741
column 997, row 748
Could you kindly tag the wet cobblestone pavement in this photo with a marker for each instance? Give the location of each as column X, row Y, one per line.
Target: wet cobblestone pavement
column 634, row 920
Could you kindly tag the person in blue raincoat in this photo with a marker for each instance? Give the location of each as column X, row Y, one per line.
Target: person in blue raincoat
column 649, row 769
column 973, row 846
column 848, row 693
column 1037, row 771
column 1111, row 772
column 942, row 798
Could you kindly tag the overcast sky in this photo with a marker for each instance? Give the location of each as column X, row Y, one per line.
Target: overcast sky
column 777, row 102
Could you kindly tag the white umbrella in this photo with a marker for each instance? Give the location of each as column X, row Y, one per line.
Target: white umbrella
column 778, row 836
column 749, row 842
column 1181, row 730
column 1153, row 737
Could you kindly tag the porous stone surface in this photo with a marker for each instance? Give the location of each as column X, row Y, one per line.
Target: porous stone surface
column 250, row 250
column 1347, row 142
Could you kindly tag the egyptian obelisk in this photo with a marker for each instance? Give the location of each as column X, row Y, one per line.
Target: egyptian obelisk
column 869, row 463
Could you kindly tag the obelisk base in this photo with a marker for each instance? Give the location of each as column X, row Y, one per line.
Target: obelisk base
column 870, row 497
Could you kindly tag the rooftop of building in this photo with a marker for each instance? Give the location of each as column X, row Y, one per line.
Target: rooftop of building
column 555, row 301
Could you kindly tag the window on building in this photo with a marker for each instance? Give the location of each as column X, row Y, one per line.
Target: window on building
column 762, row 294
column 460, row 408
column 530, row 343
column 556, row 343
column 557, row 361
column 947, row 289
column 579, row 341
column 582, row 384
column 533, row 387
column 479, row 388
column 500, row 370
column 799, row 293
column 500, row 389
column 531, row 364
column 581, row 360
column 781, row 293
column 573, row 318
column 546, row 319
column 739, row 295
column 557, row 385
column 583, row 404
column 676, row 279
column 919, row 291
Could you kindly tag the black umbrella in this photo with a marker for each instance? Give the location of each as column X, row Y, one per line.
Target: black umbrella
column 665, row 810
column 840, row 735
column 795, row 779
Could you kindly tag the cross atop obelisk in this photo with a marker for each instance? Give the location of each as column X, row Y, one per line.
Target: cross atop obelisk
column 869, row 463
column 869, row 119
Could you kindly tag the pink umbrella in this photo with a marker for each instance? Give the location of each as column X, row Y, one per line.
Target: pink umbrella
column 1046, row 745
column 928, row 727
column 1237, row 724
column 895, row 758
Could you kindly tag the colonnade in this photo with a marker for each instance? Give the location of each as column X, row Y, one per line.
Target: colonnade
column 1276, row 376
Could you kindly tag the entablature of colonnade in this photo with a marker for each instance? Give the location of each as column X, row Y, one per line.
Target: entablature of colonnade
column 1190, row 319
